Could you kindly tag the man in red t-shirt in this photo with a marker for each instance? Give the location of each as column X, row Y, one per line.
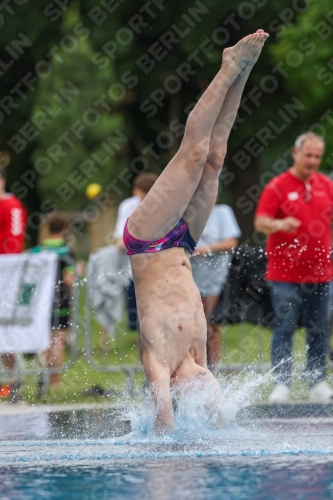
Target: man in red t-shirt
column 13, row 220
column 295, row 211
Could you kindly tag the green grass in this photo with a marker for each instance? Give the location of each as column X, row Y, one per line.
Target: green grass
column 246, row 344
column 242, row 344
column 90, row 369
column 250, row 345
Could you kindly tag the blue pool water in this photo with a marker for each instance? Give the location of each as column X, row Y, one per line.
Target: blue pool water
column 217, row 478
column 80, row 455
column 114, row 453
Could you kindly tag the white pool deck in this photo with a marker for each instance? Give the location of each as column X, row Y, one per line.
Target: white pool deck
column 24, row 408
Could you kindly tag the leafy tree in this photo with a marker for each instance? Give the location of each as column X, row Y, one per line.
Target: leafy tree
column 79, row 145
column 306, row 49
column 27, row 25
column 206, row 24
column 110, row 60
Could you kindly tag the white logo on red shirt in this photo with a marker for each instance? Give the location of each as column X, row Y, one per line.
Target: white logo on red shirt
column 293, row 196
column 16, row 225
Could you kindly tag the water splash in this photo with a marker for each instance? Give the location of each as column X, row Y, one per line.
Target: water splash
column 199, row 413
column 196, row 433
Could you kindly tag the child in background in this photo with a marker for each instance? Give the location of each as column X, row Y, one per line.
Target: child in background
column 60, row 320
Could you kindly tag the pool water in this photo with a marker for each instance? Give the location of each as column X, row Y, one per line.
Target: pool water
column 220, row 478
column 114, row 453
column 98, row 454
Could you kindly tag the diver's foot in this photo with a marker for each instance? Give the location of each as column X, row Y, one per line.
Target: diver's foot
column 245, row 53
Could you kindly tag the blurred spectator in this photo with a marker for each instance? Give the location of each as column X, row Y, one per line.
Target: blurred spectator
column 295, row 211
column 141, row 186
column 13, row 220
column 210, row 267
column 60, row 320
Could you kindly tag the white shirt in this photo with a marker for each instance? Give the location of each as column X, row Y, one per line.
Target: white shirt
column 210, row 272
column 221, row 225
column 125, row 209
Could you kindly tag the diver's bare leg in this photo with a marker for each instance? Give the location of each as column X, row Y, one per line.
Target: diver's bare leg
column 204, row 198
column 167, row 201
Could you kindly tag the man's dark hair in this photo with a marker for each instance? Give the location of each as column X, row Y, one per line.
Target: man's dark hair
column 56, row 224
column 145, row 181
column 3, row 173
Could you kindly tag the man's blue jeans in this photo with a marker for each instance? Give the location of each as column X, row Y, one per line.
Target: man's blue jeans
column 311, row 302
